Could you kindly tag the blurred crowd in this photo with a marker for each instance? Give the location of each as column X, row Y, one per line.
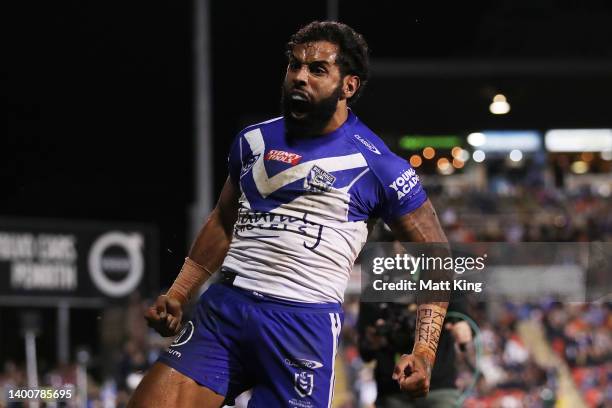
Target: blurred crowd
column 581, row 334
column 524, row 214
column 506, row 373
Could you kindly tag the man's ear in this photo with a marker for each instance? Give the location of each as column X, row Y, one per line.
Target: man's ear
column 351, row 85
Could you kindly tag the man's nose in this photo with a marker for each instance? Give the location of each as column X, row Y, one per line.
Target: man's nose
column 301, row 76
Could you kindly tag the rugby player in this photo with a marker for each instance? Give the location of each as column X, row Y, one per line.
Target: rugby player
column 285, row 232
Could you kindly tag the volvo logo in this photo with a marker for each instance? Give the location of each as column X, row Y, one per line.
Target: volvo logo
column 116, row 263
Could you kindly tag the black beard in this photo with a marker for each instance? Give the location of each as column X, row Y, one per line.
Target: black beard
column 317, row 114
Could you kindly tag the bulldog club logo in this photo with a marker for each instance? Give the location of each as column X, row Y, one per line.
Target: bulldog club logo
column 318, row 180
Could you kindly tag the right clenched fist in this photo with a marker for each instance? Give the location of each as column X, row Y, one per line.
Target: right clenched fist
column 165, row 316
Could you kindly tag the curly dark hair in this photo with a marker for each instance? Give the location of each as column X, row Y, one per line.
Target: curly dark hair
column 353, row 58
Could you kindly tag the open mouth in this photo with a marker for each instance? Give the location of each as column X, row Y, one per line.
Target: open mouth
column 300, row 103
column 298, row 96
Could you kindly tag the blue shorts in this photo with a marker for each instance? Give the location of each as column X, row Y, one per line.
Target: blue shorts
column 239, row 340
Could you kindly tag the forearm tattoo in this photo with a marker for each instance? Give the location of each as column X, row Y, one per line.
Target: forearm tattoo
column 429, row 325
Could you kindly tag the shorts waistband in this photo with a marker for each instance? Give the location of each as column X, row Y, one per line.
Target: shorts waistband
column 227, row 280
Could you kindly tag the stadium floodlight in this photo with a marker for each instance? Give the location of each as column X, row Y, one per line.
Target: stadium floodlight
column 578, row 140
column 429, row 153
column 478, row 156
column 415, row 160
column 580, row 167
column 516, row 155
column 504, row 141
column 476, row 139
column 445, row 167
column 500, row 105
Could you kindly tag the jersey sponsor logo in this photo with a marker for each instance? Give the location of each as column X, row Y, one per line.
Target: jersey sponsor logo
column 184, row 336
column 251, row 224
column 303, row 363
column 248, row 163
column 285, row 157
column 367, row 144
column 174, row 353
column 318, row 180
column 405, row 183
column 303, row 383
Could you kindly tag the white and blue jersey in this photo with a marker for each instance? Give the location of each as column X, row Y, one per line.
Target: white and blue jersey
column 304, row 205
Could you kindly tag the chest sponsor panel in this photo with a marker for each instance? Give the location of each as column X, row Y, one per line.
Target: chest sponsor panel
column 282, row 156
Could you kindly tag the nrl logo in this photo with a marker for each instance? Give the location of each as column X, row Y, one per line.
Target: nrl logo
column 248, row 163
column 303, row 383
column 318, row 180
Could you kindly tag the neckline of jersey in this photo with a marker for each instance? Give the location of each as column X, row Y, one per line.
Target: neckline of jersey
column 351, row 119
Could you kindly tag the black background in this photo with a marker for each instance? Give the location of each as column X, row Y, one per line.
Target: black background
column 97, row 97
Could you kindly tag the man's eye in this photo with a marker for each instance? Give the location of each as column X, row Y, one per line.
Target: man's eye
column 294, row 65
column 317, row 69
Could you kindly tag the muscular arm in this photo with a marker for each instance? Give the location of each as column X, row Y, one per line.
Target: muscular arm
column 205, row 257
column 210, row 246
column 213, row 240
column 422, row 225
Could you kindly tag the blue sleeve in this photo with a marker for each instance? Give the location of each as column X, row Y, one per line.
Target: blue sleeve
column 234, row 160
column 400, row 190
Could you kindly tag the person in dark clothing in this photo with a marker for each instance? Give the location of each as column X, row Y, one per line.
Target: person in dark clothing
column 386, row 332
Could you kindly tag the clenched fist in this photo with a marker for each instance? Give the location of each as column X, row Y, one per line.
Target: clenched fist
column 165, row 316
column 413, row 373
